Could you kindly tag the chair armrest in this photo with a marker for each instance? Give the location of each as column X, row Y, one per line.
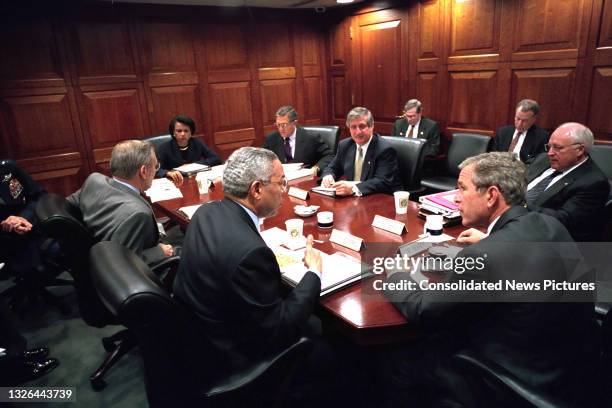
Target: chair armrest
column 171, row 261
column 494, row 373
column 283, row 362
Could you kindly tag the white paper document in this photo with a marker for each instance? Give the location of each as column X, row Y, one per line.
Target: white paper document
column 189, row 210
column 163, row 189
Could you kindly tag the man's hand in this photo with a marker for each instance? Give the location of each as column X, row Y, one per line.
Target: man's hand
column 16, row 224
column 471, row 236
column 167, row 250
column 176, row 177
column 315, row 170
column 343, row 188
column 312, row 257
column 328, row 181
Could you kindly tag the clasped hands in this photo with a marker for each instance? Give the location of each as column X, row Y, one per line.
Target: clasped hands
column 343, row 187
column 16, row 224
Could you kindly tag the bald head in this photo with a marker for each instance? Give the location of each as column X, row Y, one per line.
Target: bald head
column 569, row 145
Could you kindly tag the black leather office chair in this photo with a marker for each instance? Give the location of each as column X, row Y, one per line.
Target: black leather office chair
column 167, row 333
column 602, row 156
column 410, row 157
column 329, row 134
column 63, row 223
column 463, row 145
column 158, row 140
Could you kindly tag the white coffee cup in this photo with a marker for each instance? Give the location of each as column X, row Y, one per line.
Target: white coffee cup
column 434, row 225
column 325, row 219
column 401, row 201
column 295, row 228
column 203, row 184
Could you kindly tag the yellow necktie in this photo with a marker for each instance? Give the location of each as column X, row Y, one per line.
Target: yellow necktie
column 358, row 164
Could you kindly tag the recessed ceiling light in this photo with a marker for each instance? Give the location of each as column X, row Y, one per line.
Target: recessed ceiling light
column 344, row 1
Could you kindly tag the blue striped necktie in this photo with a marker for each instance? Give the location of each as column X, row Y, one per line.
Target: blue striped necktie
column 536, row 190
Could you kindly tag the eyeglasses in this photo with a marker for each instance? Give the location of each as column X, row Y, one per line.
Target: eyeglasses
column 283, row 125
column 557, row 149
column 157, row 166
column 361, row 126
column 282, row 183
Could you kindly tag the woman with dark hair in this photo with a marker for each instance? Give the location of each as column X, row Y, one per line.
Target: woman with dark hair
column 182, row 149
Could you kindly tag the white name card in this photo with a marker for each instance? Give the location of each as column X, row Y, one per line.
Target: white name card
column 298, row 193
column 346, row 240
column 387, row 224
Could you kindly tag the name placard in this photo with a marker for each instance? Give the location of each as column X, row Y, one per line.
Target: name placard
column 387, row 224
column 298, row 193
column 346, row 240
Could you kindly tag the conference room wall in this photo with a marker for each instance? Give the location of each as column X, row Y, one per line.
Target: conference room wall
column 470, row 62
column 76, row 80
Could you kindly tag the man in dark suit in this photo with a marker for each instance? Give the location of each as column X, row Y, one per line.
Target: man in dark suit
column 413, row 124
column 292, row 144
column 567, row 184
column 367, row 161
column 512, row 328
column 525, row 138
column 230, row 278
column 114, row 210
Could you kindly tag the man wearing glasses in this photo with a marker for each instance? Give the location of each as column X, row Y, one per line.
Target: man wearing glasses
column 368, row 163
column 566, row 183
column 292, row 144
column 113, row 209
column 231, row 278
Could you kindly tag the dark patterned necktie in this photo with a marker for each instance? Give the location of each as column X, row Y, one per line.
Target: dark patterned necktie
column 514, row 141
column 536, row 190
column 288, row 154
column 409, row 135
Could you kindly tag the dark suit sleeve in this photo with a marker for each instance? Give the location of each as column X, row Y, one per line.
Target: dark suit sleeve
column 256, row 281
column 207, row 156
column 577, row 211
column 323, row 152
column 32, row 190
column 396, row 128
column 336, row 166
column 385, row 177
column 163, row 156
column 432, row 148
column 494, row 143
column 133, row 233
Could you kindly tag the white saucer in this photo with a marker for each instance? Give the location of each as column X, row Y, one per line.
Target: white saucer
column 305, row 211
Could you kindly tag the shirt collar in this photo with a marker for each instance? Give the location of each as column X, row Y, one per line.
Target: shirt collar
column 251, row 214
column 128, row 185
column 492, row 224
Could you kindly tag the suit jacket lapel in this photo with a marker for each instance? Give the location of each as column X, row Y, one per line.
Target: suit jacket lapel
column 561, row 184
column 351, row 151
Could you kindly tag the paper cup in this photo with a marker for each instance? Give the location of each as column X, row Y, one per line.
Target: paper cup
column 434, row 224
column 325, row 219
column 401, row 201
column 295, row 228
column 203, row 184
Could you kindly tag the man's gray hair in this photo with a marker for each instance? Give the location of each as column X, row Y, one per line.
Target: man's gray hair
column 358, row 113
column 244, row 166
column 287, row 110
column 128, row 156
column 413, row 103
column 501, row 169
column 582, row 135
column 527, row 105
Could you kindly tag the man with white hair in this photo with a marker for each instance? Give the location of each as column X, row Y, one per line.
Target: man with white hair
column 567, row 184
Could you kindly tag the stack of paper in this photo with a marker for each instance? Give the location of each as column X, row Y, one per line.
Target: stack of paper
column 163, row 189
column 328, row 191
column 192, row 168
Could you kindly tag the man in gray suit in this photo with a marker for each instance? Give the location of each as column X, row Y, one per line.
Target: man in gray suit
column 113, row 209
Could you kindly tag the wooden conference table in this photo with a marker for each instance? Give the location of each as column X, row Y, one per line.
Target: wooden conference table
column 365, row 321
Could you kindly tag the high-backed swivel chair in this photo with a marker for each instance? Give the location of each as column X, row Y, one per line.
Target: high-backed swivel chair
column 463, row 145
column 410, row 157
column 329, row 134
column 63, row 223
column 168, row 333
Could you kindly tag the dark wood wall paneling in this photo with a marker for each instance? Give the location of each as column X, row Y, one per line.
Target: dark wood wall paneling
column 470, row 62
column 73, row 85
